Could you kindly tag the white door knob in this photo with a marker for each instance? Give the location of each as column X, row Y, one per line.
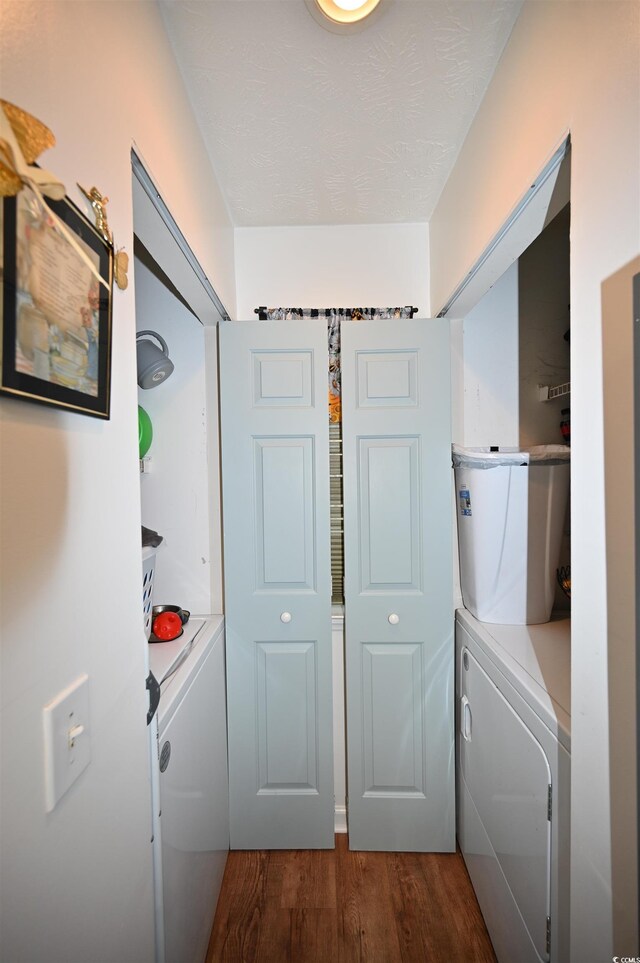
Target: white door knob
column 394, row 619
column 285, row 617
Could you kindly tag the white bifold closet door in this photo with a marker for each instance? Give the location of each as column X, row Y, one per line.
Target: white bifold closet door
column 398, row 592
column 275, row 463
column 398, row 585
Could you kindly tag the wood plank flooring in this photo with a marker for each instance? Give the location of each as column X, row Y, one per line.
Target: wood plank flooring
column 335, row 906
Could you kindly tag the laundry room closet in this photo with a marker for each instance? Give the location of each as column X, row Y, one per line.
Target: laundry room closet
column 180, row 511
column 511, row 391
column 509, row 353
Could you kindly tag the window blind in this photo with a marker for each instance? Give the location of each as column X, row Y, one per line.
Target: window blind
column 337, row 530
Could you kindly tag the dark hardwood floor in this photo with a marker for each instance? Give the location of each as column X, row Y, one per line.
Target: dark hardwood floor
column 335, row 906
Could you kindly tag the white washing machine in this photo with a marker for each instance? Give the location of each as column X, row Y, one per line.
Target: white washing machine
column 192, row 794
column 513, row 781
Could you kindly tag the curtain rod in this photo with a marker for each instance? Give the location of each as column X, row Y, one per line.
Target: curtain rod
column 354, row 313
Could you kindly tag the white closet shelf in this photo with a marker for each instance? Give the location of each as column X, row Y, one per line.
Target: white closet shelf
column 547, row 393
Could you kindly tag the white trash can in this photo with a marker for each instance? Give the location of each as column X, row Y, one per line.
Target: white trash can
column 511, row 509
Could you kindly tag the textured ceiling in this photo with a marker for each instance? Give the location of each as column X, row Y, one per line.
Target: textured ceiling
column 305, row 126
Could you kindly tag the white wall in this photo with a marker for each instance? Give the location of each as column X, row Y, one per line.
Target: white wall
column 618, row 363
column 511, row 342
column 76, row 884
column 175, row 493
column 324, row 267
column 490, row 366
column 569, row 66
column 543, row 298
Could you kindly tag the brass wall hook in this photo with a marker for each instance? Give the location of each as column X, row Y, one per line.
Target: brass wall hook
column 99, row 205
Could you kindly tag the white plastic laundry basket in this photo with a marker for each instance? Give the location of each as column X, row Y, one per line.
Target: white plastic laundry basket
column 148, row 571
column 511, row 508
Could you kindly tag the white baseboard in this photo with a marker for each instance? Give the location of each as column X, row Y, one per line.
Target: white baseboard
column 341, row 819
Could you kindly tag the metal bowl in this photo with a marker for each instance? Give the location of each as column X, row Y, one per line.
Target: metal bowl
column 183, row 613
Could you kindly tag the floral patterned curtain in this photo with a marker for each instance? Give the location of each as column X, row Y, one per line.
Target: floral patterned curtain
column 334, row 316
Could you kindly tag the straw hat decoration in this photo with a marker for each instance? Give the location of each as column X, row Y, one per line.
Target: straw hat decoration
column 32, row 137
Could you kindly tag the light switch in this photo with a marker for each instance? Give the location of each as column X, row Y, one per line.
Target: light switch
column 67, row 742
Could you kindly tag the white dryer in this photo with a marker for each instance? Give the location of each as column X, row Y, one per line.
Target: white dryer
column 192, row 832
column 513, row 781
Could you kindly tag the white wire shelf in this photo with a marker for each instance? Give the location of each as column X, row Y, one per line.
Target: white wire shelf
column 547, row 393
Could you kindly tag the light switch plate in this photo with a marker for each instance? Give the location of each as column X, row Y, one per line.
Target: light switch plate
column 67, row 739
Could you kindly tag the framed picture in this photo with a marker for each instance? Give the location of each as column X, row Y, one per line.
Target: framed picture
column 55, row 316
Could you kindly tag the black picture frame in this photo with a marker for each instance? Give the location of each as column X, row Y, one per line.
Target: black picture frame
column 55, row 318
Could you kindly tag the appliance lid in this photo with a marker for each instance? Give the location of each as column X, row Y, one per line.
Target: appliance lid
column 164, row 657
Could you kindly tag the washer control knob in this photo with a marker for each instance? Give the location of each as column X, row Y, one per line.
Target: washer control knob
column 394, row 619
column 285, row 617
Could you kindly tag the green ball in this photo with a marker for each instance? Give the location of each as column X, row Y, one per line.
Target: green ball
column 145, row 432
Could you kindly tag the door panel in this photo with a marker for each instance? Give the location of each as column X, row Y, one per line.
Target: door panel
column 275, row 466
column 398, row 585
column 393, row 746
column 389, row 530
column 387, row 379
column 287, row 734
column 284, row 503
column 282, row 379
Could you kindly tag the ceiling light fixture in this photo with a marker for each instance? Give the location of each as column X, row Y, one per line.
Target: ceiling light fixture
column 347, row 11
column 341, row 16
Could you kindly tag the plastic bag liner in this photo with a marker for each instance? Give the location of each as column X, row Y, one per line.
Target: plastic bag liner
column 494, row 458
